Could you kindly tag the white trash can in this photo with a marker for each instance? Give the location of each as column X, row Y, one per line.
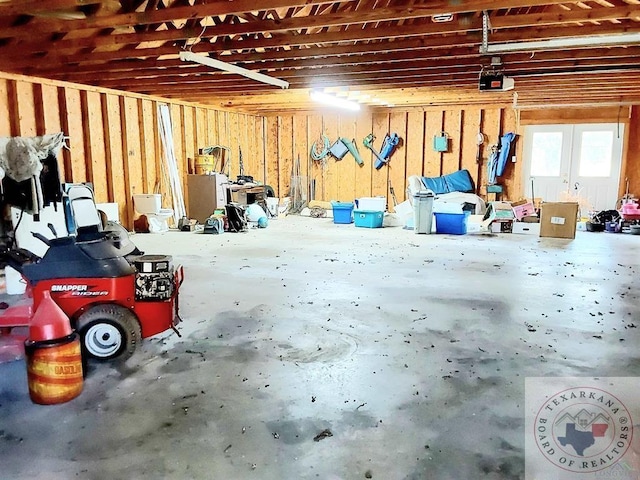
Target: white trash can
column 422, row 211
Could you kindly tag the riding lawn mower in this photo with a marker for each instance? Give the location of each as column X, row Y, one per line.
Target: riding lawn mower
column 113, row 294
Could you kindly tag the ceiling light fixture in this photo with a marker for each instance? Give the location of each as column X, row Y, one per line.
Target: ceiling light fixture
column 442, row 18
column 556, row 43
column 228, row 67
column 334, row 101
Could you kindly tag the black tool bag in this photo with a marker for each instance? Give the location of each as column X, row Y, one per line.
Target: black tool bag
column 236, row 218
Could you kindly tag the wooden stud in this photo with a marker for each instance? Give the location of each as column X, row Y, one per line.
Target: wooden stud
column 432, row 159
column 5, row 108
column 271, row 156
column 397, row 164
column 379, row 177
column 364, row 173
column 415, row 146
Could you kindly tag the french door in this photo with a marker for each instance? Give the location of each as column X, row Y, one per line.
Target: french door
column 566, row 162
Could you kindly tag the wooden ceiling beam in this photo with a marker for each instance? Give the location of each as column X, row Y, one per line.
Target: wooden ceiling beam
column 30, row 7
column 339, row 19
column 221, row 8
column 523, row 66
column 53, row 59
column 151, row 67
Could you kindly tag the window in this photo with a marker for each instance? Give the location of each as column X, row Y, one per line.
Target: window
column 546, row 154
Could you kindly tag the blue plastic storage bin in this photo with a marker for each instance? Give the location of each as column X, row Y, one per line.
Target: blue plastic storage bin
column 368, row 218
column 342, row 212
column 452, row 223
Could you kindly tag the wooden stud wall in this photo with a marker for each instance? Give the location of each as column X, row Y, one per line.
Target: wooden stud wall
column 343, row 180
column 115, row 144
column 114, row 140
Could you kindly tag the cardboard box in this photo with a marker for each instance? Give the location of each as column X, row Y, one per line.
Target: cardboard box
column 558, row 219
column 501, row 226
column 524, row 228
column 523, row 208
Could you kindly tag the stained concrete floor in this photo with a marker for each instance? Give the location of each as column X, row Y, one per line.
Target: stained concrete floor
column 412, row 350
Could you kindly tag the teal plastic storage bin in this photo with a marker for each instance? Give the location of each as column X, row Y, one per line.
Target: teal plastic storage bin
column 368, row 218
column 452, row 223
column 342, row 212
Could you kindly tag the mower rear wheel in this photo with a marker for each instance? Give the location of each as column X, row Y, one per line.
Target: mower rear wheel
column 109, row 332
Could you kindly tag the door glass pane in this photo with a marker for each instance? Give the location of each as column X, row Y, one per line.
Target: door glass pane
column 546, row 154
column 595, row 154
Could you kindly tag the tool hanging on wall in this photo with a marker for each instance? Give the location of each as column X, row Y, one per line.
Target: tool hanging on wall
column 368, row 143
column 393, row 194
column 479, row 142
column 389, row 145
column 320, row 149
column 441, row 142
column 338, row 149
column 353, row 150
column 242, row 178
column 295, row 190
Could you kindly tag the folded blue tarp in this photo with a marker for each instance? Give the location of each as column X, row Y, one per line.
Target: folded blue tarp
column 459, row 181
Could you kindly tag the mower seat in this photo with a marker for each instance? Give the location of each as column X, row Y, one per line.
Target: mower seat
column 80, row 211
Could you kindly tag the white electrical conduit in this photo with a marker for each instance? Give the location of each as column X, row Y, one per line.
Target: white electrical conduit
column 169, row 157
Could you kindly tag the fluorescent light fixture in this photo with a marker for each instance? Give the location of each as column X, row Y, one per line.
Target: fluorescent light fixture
column 228, row 67
column 334, row 101
column 555, row 43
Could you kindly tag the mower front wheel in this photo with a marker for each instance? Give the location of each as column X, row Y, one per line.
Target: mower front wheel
column 109, row 332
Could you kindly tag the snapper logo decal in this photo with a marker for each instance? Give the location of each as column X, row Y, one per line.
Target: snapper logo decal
column 78, row 290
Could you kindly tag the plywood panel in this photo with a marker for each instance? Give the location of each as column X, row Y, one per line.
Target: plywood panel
column 301, row 151
column 190, row 149
column 5, row 112
column 491, row 125
column 271, row 156
column 331, row 129
column 73, row 114
column 50, row 109
column 115, row 160
column 398, row 161
column 452, row 126
column 133, row 160
column 471, row 151
column 316, row 168
column 259, row 136
column 201, row 119
column 248, row 144
column 364, row 126
column 285, row 153
column 95, row 145
column 346, row 168
column 432, row 160
column 513, row 172
column 26, row 109
column 223, row 134
column 379, row 178
column 414, row 146
column 631, row 169
column 212, row 128
column 550, row 116
column 148, row 147
column 233, row 123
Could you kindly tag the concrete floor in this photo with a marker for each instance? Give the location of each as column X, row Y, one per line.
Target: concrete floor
column 411, row 349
